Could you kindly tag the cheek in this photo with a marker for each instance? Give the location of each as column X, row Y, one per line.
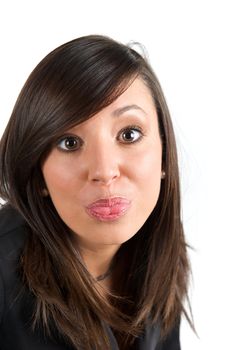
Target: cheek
column 58, row 176
column 147, row 165
column 148, row 176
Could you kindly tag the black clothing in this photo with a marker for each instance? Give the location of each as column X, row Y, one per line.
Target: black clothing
column 16, row 302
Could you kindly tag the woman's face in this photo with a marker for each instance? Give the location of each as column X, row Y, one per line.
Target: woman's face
column 114, row 157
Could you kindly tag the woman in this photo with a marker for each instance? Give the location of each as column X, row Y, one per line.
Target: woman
column 93, row 254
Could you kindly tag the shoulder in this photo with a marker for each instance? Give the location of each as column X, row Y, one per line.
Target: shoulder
column 172, row 340
column 13, row 234
column 12, row 231
column 12, row 238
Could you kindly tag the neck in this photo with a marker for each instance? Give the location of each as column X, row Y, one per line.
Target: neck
column 99, row 260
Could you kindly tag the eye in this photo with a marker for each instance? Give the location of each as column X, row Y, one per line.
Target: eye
column 69, row 143
column 131, row 134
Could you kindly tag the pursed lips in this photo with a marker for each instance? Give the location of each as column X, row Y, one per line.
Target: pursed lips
column 107, row 209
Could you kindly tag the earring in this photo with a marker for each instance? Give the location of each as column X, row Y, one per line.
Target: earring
column 45, row 192
column 163, row 174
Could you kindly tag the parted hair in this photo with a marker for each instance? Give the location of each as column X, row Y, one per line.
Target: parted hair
column 70, row 85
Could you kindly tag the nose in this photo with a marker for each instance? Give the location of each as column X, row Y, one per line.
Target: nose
column 103, row 166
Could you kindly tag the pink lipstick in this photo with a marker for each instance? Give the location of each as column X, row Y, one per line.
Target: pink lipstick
column 108, row 209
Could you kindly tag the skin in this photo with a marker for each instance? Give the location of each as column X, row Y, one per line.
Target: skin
column 107, row 163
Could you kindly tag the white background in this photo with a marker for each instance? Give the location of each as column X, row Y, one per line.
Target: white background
column 188, row 43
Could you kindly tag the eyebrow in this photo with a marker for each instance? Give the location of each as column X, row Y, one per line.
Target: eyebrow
column 119, row 111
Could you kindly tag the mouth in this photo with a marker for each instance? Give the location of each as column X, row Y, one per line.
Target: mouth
column 108, row 209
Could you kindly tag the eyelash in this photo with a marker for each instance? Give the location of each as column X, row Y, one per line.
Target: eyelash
column 76, row 138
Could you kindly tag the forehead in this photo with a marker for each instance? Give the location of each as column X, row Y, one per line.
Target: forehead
column 135, row 101
column 137, row 94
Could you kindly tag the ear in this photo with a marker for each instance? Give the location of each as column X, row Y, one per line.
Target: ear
column 45, row 192
column 163, row 174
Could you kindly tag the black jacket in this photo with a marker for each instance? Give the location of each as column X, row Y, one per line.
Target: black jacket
column 16, row 303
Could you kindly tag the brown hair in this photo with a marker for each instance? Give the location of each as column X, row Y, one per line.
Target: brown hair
column 70, row 85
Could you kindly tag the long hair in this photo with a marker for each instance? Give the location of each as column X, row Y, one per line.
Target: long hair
column 69, row 86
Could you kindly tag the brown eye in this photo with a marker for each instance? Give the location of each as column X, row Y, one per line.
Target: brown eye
column 69, row 143
column 131, row 135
